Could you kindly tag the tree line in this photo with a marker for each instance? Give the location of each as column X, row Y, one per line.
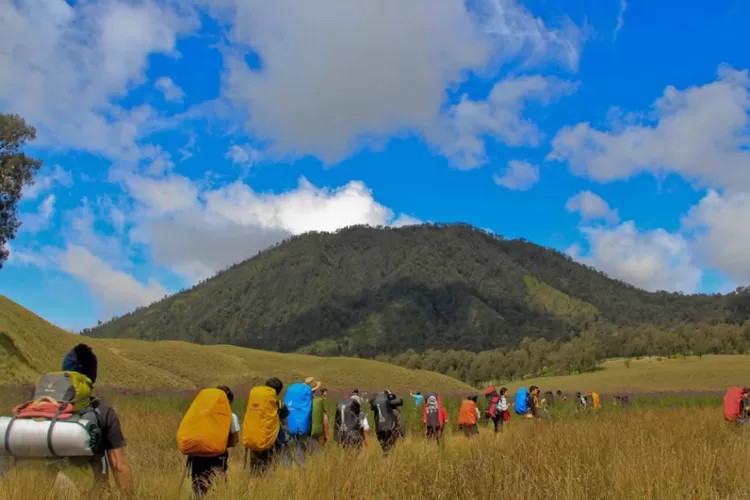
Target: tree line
column 584, row 353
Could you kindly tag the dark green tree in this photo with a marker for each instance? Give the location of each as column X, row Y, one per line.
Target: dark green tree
column 16, row 171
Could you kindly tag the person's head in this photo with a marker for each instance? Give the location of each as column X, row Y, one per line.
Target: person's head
column 228, row 392
column 323, row 393
column 559, row 392
column 745, row 392
column 275, row 384
column 503, row 391
column 419, row 393
column 355, row 391
column 534, row 390
column 473, row 398
column 81, row 359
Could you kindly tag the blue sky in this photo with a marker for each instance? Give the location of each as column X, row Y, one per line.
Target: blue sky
column 180, row 137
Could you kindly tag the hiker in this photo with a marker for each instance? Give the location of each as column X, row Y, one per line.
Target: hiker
column 319, row 432
column 502, row 413
column 549, row 398
column 348, row 427
column 299, row 402
column 84, row 416
column 581, row 403
column 491, row 397
column 263, row 433
column 207, row 466
column 468, row 417
column 434, row 416
column 417, row 398
column 387, row 425
column 532, row 403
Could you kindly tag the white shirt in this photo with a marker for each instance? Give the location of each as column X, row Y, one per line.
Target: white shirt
column 502, row 404
column 235, row 424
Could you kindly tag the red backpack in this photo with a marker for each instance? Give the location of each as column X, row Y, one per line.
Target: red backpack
column 492, row 399
column 732, row 400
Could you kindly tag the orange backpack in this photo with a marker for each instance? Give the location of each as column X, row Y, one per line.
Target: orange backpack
column 467, row 414
column 204, row 430
column 732, row 400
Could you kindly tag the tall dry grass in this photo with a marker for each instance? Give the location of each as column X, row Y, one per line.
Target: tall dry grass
column 649, row 453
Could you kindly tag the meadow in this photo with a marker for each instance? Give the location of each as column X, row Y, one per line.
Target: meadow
column 645, row 451
column 671, row 444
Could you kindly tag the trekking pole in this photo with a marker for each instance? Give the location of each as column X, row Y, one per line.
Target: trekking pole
column 182, row 479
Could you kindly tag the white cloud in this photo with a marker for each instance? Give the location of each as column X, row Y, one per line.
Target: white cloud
column 722, row 239
column 45, row 182
column 519, row 176
column 243, row 154
column 461, row 136
column 337, row 76
column 700, row 133
column 117, row 291
column 172, row 92
column 64, row 67
column 591, row 207
column 195, row 231
column 653, row 260
column 39, row 220
column 621, row 16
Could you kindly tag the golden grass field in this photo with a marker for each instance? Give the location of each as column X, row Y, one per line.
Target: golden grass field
column 625, row 454
column 30, row 345
column 712, row 373
column 645, row 451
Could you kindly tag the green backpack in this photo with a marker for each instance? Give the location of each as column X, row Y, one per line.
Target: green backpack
column 318, row 429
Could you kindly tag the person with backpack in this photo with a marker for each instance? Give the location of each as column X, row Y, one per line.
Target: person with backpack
column 581, row 403
column 299, row 402
column 209, row 423
column 348, row 430
column 434, row 416
column 532, row 402
column 387, row 426
column 468, row 417
column 263, row 433
column 502, row 413
column 319, row 432
column 64, row 399
column 491, row 398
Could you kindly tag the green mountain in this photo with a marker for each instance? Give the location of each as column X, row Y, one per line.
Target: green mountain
column 365, row 291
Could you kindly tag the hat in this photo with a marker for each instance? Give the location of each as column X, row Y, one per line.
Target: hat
column 81, row 359
column 315, row 384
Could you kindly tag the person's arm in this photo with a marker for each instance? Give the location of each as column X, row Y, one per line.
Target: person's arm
column 121, row 469
column 114, row 444
column 283, row 414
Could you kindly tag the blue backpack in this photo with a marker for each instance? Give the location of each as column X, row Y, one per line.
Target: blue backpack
column 298, row 400
column 521, row 395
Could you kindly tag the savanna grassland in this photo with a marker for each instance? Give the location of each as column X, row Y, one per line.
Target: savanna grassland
column 675, row 446
column 29, row 346
column 646, row 452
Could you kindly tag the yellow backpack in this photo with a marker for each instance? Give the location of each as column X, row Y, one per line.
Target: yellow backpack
column 204, row 429
column 261, row 425
column 595, row 400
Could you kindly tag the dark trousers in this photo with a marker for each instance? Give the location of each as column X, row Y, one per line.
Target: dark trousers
column 469, row 430
column 263, row 461
column 205, row 470
column 387, row 439
column 434, row 433
column 498, row 422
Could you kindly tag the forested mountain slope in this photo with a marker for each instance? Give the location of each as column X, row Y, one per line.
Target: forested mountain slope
column 368, row 291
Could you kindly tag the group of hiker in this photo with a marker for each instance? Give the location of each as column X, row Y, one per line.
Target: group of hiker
column 63, row 420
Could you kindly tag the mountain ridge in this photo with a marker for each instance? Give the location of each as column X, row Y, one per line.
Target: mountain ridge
column 367, row 291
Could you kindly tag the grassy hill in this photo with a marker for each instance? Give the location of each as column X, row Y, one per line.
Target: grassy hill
column 366, row 291
column 711, row 373
column 30, row 345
